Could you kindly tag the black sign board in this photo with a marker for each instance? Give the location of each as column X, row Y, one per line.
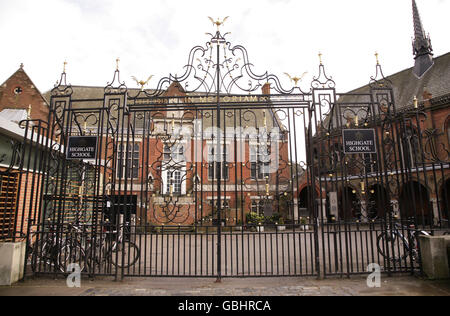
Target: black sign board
column 359, row 141
column 82, row 147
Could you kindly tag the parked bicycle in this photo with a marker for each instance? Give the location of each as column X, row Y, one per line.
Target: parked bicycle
column 396, row 246
column 110, row 246
column 46, row 249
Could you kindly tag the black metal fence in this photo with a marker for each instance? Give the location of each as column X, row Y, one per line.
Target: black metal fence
column 193, row 179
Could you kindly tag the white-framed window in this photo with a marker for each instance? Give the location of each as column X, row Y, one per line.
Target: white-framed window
column 218, row 168
column 174, row 154
column 260, row 162
column 128, row 156
column 173, row 183
column 260, row 206
column 225, row 202
column 174, row 170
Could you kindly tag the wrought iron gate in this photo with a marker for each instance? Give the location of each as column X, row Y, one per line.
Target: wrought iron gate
column 221, row 173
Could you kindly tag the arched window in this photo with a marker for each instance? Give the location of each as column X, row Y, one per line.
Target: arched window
column 412, row 154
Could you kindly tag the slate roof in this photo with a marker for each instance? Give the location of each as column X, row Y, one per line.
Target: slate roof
column 406, row 85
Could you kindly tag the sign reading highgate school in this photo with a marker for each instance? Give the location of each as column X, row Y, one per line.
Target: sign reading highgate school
column 82, row 147
column 359, row 141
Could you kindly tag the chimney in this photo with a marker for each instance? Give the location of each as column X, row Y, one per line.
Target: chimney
column 266, row 89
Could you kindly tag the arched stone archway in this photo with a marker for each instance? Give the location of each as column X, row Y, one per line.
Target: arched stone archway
column 415, row 202
column 349, row 204
column 304, row 203
column 378, row 202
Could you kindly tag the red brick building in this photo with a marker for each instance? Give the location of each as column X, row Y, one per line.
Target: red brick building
column 19, row 176
column 415, row 161
column 174, row 180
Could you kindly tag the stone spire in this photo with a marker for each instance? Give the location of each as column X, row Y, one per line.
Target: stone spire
column 422, row 49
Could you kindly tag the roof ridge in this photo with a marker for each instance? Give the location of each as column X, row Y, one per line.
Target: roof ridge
column 400, row 72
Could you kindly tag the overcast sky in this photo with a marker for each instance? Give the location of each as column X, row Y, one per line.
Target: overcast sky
column 155, row 36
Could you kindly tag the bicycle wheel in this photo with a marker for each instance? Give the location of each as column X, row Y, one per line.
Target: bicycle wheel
column 124, row 254
column 391, row 243
column 41, row 258
column 71, row 254
column 96, row 257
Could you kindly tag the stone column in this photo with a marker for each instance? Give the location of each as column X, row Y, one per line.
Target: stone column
column 296, row 217
column 435, row 210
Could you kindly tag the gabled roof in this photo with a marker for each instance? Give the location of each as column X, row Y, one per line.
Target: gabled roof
column 28, row 78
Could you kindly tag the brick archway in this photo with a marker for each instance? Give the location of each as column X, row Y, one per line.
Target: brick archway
column 415, row 202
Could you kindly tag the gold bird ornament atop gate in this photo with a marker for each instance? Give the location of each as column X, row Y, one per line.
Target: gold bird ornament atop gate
column 142, row 83
column 218, row 23
column 296, row 80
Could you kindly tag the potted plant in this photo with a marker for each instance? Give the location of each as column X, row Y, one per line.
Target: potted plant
column 304, row 223
column 280, row 224
column 239, row 225
column 255, row 221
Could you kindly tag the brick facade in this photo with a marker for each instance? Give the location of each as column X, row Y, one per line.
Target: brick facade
column 19, row 92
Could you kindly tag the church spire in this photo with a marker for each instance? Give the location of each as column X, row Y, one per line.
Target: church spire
column 422, row 49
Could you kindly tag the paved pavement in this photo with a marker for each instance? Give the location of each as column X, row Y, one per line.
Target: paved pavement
column 355, row 286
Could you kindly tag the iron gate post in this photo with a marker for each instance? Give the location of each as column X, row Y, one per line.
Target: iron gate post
column 219, row 173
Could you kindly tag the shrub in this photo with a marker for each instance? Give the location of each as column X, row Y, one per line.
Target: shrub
column 255, row 218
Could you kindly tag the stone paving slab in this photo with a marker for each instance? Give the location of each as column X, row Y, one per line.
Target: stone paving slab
column 355, row 286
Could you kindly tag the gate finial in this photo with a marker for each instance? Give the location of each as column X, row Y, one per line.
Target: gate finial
column 296, row 80
column 142, row 83
column 218, row 23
